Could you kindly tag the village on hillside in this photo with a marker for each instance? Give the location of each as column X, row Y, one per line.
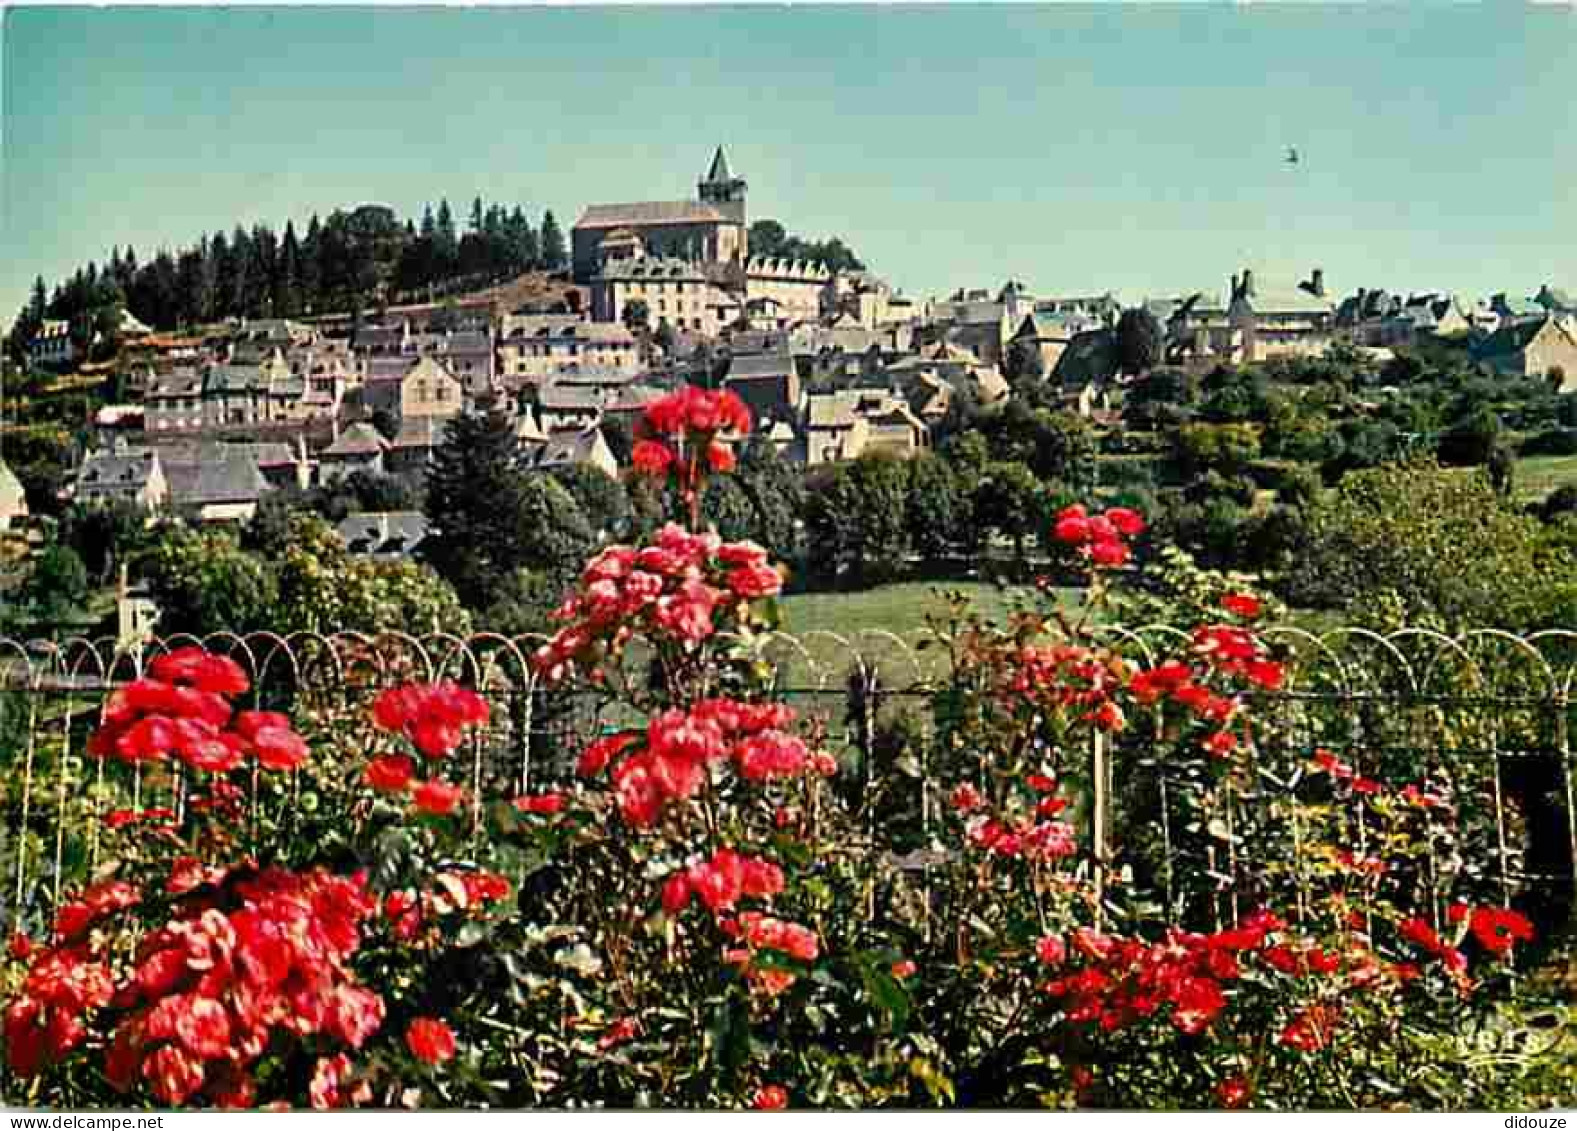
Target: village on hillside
column 834, row 362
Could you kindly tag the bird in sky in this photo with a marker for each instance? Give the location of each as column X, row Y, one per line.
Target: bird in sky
column 1292, row 155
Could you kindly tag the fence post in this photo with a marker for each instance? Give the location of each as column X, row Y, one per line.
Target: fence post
column 1569, row 772
column 1099, row 764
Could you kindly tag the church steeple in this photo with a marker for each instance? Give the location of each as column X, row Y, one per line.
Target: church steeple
column 721, row 189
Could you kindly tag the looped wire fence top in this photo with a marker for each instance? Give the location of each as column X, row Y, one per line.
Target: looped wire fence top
column 1487, row 695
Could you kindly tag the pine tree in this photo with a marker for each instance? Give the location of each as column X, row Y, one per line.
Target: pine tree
column 446, row 244
column 476, row 215
column 311, row 267
column 553, row 252
column 488, row 518
column 287, row 295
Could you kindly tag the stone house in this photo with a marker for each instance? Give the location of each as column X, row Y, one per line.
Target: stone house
column 768, row 383
column 174, row 402
column 568, row 447
column 423, row 387
column 123, row 474
column 1288, row 323
column 361, row 447
column 674, row 291
column 222, row 484
column 52, row 346
column 1532, row 348
column 13, row 499
column 537, row 348
column 846, row 424
column 796, row 288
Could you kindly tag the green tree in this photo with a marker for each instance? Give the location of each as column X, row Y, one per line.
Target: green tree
column 105, row 535
column 1008, row 502
column 57, row 583
column 203, row 582
column 934, row 509
column 855, row 521
column 553, row 252
column 1140, row 340
column 601, row 498
column 1418, row 543
column 488, row 518
column 1226, row 448
column 322, row 588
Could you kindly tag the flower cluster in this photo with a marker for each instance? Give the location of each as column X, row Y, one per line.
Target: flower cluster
column 434, row 718
column 45, row 1021
column 253, row 956
column 1036, row 836
column 182, row 708
column 671, row 759
column 761, row 932
column 1099, row 538
column 1496, row 929
column 677, row 436
column 1222, row 649
column 1071, row 676
column 670, row 589
column 1126, row 980
column 213, row 987
column 721, row 882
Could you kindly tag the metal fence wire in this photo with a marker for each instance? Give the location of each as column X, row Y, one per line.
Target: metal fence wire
column 1486, row 716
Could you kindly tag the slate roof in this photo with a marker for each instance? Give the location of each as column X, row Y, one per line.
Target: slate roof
column 114, row 471
column 1513, row 337
column 10, row 486
column 181, row 383
column 360, row 439
column 650, row 212
column 383, row 534
column 1288, row 302
column 760, row 365
column 568, row 398
column 232, row 479
column 719, row 170
column 570, row 447
column 652, row 267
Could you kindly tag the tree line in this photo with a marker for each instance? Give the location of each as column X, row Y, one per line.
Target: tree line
column 349, row 261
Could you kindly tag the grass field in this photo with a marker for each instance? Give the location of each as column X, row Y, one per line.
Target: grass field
column 822, row 621
column 1537, row 476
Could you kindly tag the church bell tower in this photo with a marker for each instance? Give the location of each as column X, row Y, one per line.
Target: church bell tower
column 722, row 190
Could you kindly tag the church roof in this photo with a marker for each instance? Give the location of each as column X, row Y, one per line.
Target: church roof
column 650, row 212
column 719, row 170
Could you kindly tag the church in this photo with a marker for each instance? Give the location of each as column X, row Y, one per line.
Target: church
column 708, row 230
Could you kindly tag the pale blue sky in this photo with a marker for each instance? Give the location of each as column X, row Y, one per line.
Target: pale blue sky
column 1076, row 148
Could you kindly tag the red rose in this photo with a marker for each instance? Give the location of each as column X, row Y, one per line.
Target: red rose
column 430, row 1040
column 437, row 797
column 544, row 804
column 1244, row 605
column 772, row 1097
column 390, row 774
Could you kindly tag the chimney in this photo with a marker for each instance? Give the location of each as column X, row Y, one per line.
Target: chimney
column 1319, row 282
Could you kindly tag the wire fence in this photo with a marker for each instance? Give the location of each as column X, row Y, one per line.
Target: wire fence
column 1485, row 717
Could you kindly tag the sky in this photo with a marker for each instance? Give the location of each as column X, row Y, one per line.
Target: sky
column 1076, row 148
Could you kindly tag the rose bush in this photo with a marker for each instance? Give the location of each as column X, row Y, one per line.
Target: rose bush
column 701, row 919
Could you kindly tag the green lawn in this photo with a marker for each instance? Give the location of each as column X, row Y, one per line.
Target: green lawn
column 1537, row 476
column 832, row 625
